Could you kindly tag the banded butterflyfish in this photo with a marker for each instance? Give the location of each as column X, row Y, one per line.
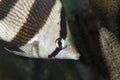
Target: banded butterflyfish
column 36, row 28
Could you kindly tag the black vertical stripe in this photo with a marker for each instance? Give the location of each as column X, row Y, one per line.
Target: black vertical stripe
column 5, row 7
column 55, row 52
column 63, row 31
column 39, row 13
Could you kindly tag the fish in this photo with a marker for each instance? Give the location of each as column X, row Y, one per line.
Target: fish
column 37, row 29
column 108, row 12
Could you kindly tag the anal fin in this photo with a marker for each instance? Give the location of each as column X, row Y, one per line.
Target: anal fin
column 11, row 48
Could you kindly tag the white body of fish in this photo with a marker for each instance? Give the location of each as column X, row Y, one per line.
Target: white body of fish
column 42, row 44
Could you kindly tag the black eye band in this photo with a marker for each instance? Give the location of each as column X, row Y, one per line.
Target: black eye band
column 59, row 43
column 63, row 34
column 55, row 52
column 63, row 31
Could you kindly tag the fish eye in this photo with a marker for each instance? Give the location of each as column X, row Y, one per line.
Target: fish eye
column 61, row 43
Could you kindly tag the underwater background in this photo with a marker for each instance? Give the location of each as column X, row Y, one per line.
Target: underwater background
column 90, row 66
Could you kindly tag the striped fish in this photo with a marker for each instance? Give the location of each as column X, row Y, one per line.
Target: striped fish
column 36, row 28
